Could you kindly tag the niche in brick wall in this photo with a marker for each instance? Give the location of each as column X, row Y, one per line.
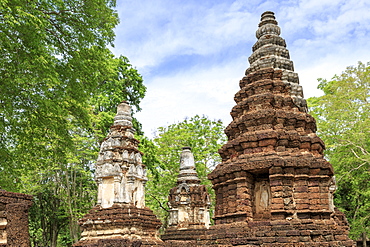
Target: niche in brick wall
column 262, row 197
column 108, row 195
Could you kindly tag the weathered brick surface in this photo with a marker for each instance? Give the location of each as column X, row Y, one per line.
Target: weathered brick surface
column 118, row 221
column 112, row 243
column 14, row 219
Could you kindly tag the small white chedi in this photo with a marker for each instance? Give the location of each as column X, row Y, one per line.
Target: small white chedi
column 189, row 201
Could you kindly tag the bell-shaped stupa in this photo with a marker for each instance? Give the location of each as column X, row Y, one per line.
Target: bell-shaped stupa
column 187, row 174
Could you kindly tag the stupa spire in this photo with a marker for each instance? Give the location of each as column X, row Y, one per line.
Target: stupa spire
column 270, row 52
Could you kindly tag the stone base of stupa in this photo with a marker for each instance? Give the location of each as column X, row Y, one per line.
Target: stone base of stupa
column 331, row 232
column 119, row 225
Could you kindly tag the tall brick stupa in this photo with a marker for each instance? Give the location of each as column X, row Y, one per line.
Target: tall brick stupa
column 120, row 217
column 273, row 176
column 274, row 186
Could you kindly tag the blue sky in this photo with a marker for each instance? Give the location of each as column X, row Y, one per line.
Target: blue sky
column 192, row 54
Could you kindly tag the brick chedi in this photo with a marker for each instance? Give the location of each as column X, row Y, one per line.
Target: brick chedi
column 274, row 184
column 120, row 217
column 273, row 187
column 189, row 201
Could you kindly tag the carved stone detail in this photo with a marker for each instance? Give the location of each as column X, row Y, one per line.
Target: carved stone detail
column 262, row 199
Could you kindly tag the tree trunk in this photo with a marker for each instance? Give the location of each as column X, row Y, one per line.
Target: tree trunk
column 364, row 239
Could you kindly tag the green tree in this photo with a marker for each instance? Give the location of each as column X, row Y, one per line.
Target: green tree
column 53, row 58
column 66, row 186
column 59, row 88
column 343, row 118
column 203, row 135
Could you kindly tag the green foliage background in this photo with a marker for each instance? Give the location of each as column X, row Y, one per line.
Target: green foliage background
column 343, row 119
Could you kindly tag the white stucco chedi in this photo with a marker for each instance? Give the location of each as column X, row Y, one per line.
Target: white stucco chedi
column 189, row 201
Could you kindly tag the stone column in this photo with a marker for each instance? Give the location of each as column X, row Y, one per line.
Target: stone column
column 117, row 188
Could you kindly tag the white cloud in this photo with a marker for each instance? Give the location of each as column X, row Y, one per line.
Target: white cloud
column 187, row 29
column 207, row 92
column 323, row 37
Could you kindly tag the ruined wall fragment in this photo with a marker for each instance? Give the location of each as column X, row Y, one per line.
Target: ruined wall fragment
column 14, row 219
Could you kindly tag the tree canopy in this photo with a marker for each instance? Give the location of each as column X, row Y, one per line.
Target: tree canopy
column 343, row 119
column 60, row 85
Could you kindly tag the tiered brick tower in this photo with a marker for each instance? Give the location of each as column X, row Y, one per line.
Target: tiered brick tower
column 120, row 217
column 273, row 175
column 273, row 187
column 189, row 201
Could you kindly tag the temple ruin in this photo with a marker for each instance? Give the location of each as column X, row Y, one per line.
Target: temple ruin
column 273, row 187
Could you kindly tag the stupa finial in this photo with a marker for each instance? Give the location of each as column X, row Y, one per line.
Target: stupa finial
column 123, row 116
column 268, row 17
column 268, row 25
